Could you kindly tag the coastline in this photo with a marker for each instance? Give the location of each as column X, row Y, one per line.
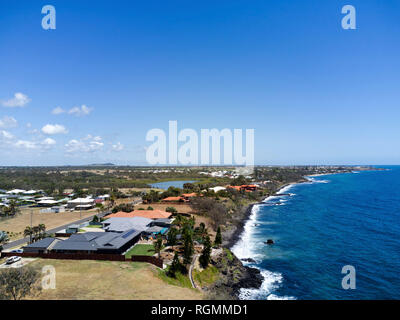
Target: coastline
column 232, row 237
column 252, row 278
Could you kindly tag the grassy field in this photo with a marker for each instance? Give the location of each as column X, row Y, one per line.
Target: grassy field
column 141, row 250
column 206, row 276
column 180, row 280
column 109, row 280
column 17, row 224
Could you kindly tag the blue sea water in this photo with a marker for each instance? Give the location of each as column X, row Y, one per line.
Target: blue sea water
column 332, row 221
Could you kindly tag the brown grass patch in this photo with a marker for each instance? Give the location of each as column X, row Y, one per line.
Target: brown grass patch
column 109, row 280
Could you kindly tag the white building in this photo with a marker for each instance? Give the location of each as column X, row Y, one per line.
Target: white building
column 81, row 203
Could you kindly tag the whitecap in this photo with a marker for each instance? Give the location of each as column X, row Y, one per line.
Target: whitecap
column 271, row 282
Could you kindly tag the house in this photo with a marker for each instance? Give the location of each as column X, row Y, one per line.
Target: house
column 56, row 209
column 173, row 199
column 98, row 242
column 244, row 187
column 41, row 246
column 81, row 203
column 216, row 189
column 187, row 196
column 163, row 222
column 16, row 191
column 73, row 228
column 150, row 214
column 122, row 224
column 47, row 203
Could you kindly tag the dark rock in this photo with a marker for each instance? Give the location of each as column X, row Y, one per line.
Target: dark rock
column 249, row 260
column 269, row 241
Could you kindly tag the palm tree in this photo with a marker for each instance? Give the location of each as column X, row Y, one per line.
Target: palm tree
column 42, row 230
column 36, row 231
column 28, row 232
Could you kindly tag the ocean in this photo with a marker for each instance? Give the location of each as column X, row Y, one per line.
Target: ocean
column 325, row 224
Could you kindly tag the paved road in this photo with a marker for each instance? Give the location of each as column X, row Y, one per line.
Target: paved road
column 25, row 240
column 191, row 269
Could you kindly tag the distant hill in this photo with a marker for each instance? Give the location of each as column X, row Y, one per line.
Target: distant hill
column 102, row 164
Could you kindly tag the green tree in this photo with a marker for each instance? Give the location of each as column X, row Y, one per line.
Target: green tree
column 171, row 237
column 3, row 239
column 174, row 267
column 171, row 210
column 158, row 245
column 206, row 254
column 13, row 208
column 28, row 232
column 17, row 283
column 42, row 230
column 218, row 237
column 188, row 247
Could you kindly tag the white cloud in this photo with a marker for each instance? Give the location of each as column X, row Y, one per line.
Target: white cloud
column 118, row 146
column 6, row 135
column 26, row 144
column 54, row 129
column 19, row 100
column 58, row 110
column 80, row 111
column 8, row 122
column 87, row 144
column 48, row 143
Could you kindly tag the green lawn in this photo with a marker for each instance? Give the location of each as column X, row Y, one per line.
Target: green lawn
column 93, row 226
column 207, row 276
column 141, row 250
column 180, row 280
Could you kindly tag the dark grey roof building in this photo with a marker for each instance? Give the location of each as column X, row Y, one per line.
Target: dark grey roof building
column 98, row 242
column 41, row 246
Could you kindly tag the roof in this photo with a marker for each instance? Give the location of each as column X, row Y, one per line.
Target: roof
column 150, row 214
column 76, row 226
column 47, row 202
column 92, row 241
column 44, row 243
column 172, row 199
column 81, row 200
column 188, row 195
column 163, row 220
column 118, row 224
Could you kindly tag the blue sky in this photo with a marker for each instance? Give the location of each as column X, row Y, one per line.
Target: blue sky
column 314, row 92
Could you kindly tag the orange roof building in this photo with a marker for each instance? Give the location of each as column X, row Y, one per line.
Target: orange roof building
column 173, row 199
column 150, row 214
column 189, row 195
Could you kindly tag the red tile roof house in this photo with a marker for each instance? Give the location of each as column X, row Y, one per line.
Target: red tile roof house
column 245, row 187
column 173, row 199
column 183, row 198
column 150, row 214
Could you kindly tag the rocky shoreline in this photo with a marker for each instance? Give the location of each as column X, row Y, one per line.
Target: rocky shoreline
column 250, row 278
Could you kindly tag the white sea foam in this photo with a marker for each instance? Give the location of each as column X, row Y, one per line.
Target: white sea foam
column 313, row 180
column 286, row 188
column 272, row 281
column 244, row 248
